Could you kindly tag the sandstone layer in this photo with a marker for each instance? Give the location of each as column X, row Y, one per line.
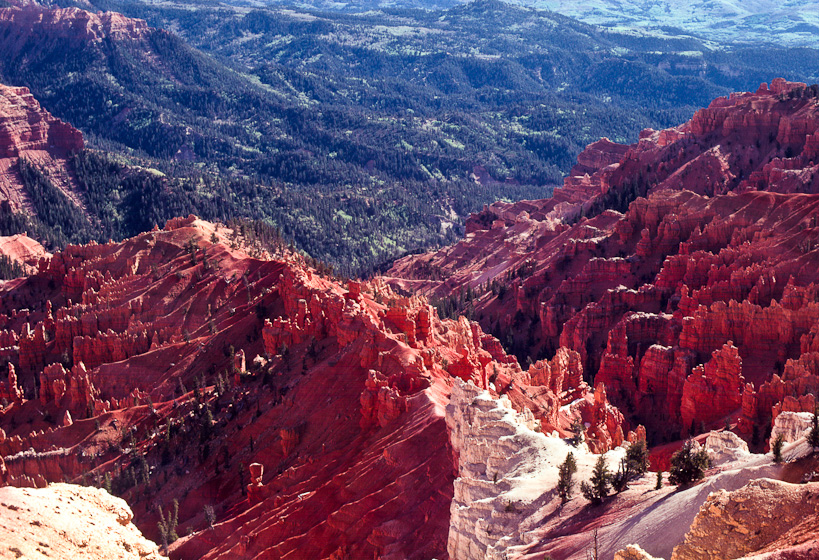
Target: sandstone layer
column 28, row 131
column 74, row 24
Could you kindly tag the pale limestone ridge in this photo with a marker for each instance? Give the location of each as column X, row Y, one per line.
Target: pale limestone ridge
column 69, row 522
column 745, row 521
column 507, row 474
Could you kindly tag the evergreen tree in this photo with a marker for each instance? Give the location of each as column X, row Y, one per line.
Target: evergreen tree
column 637, row 458
column 564, row 481
column 577, row 429
column 598, row 486
column 619, row 480
column 688, row 465
column 776, row 448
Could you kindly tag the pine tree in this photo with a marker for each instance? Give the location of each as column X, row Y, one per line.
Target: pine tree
column 619, row 480
column 577, row 429
column 637, row 457
column 564, row 481
column 659, row 484
column 598, row 486
column 687, row 465
column 776, row 448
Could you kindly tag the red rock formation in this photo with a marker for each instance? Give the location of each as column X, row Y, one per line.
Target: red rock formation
column 133, row 349
column 714, row 390
column 698, row 257
column 255, row 488
column 72, row 23
column 10, row 391
column 23, row 249
column 27, row 127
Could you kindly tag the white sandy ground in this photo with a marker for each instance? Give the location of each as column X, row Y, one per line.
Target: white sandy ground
column 663, row 525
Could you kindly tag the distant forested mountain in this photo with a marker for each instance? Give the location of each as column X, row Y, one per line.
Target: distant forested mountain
column 792, row 23
column 363, row 137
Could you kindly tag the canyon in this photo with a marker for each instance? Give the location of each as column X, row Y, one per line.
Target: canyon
column 315, row 424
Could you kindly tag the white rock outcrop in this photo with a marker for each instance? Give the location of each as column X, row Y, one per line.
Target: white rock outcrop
column 792, row 425
column 506, row 506
column 507, row 474
column 69, row 522
column 725, row 447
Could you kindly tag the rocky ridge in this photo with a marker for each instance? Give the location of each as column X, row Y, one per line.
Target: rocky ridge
column 23, row 249
column 75, row 24
column 681, row 269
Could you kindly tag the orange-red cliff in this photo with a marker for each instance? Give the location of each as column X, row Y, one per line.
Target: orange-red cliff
column 28, row 131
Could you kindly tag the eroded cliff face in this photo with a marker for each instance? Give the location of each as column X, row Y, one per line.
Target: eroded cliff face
column 74, row 24
column 171, row 362
column 28, row 131
column 681, row 269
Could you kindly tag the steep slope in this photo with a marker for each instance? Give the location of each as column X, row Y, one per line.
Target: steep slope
column 29, row 132
column 288, row 414
column 695, row 305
